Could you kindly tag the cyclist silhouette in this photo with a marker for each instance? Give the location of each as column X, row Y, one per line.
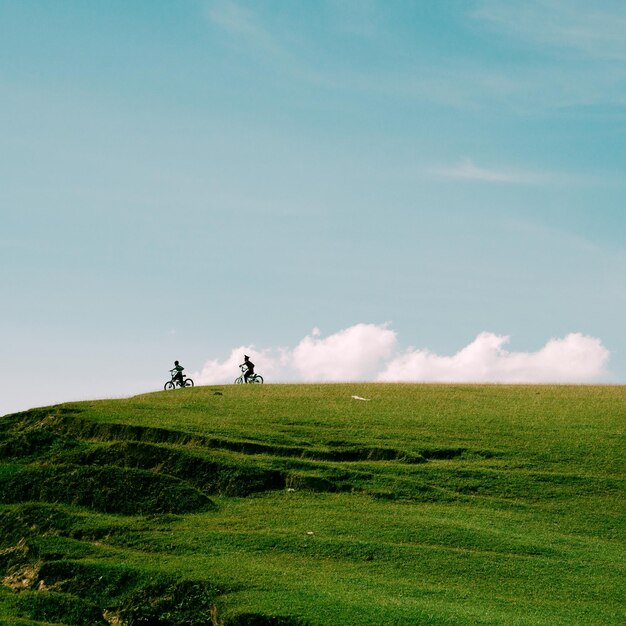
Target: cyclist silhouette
column 249, row 367
column 179, row 372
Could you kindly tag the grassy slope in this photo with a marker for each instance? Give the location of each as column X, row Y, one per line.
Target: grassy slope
column 429, row 504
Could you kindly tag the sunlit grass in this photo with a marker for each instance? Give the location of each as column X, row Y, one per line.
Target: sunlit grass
column 461, row 504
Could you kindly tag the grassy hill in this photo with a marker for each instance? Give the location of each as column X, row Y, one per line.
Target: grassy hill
column 298, row 504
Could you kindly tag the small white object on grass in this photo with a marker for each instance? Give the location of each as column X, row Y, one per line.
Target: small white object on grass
column 359, row 398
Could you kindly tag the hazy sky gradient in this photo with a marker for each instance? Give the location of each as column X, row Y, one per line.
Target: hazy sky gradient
column 178, row 179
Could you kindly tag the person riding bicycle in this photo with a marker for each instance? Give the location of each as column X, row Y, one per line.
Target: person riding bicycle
column 179, row 372
column 249, row 367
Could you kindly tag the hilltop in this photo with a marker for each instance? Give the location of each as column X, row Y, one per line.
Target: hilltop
column 299, row 504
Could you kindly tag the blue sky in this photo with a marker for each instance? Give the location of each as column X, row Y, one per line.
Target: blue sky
column 179, row 180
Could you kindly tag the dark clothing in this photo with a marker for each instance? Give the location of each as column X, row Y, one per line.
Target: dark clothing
column 179, row 373
column 249, row 369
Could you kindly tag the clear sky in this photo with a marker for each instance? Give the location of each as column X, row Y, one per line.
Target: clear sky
column 365, row 189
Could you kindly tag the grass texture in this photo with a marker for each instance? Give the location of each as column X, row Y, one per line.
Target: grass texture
column 300, row 505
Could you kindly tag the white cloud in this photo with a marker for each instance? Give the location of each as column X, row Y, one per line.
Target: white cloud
column 355, row 353
column 251, row 29
column 547, row 25
column 233, row 18
column 591, row 28
column 468, row 170
column 275, row 365
column 248, row 30
column 370, row 352
column 576, row 358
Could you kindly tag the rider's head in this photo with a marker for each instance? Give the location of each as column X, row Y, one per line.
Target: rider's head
column 175, row 362
column 246, row 357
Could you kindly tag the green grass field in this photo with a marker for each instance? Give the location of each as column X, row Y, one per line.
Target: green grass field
column 297, row 504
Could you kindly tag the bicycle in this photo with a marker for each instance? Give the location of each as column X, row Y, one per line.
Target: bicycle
column 175, row 382
column 254, row 378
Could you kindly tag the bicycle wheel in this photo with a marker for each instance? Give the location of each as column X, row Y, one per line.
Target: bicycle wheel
column 169, row 385
column 257, row 379
column 188, row 382
column 239, row 381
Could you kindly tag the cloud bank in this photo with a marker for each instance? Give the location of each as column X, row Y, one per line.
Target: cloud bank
column 370, row 352
column 574, row 359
